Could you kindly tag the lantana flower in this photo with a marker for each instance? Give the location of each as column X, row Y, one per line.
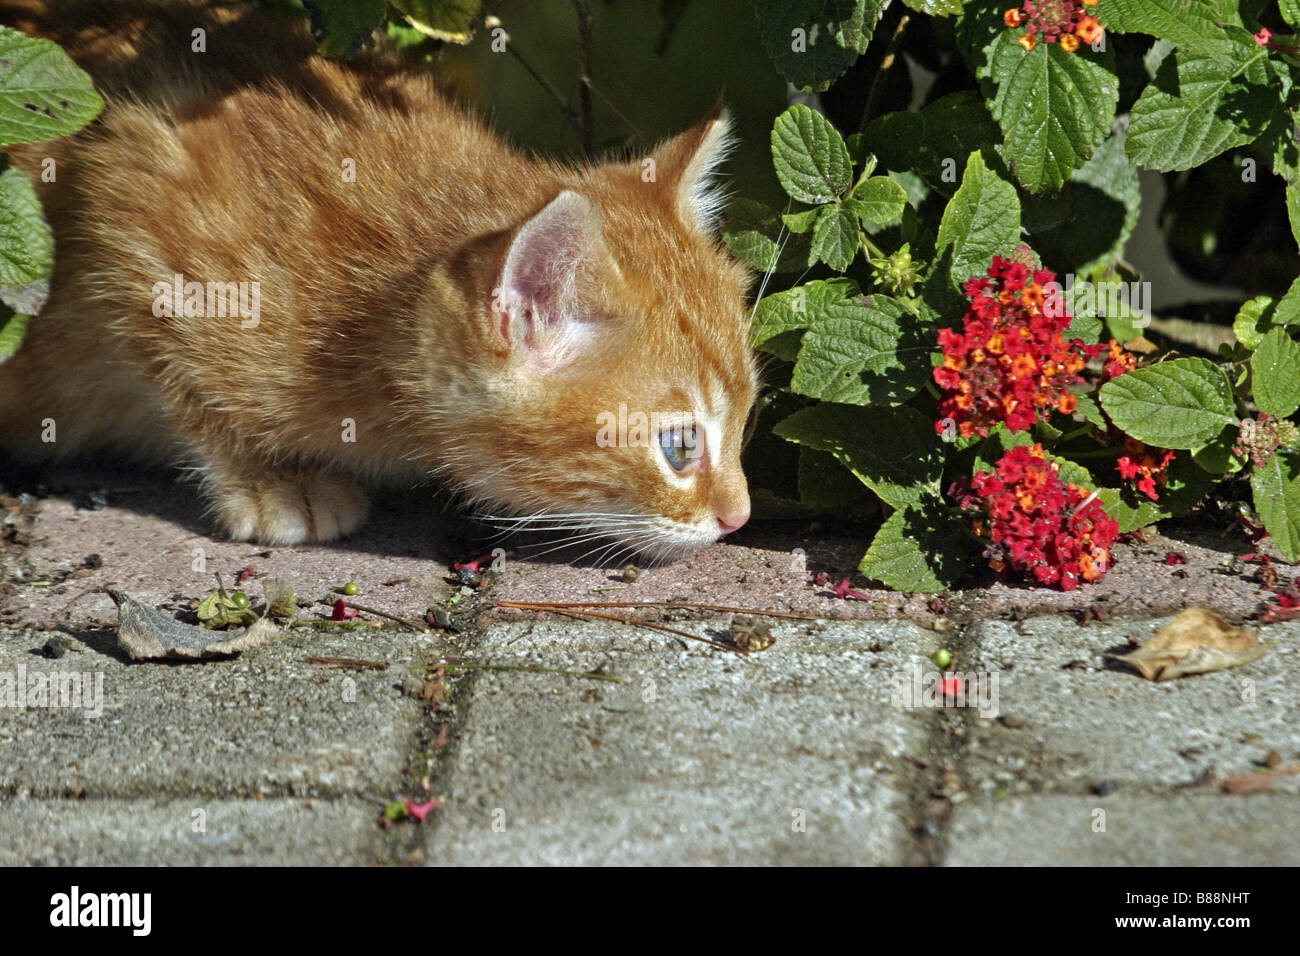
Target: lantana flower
column 1036, row 523
column 1145, row 464
column 1010, row 361
column 1064, row 22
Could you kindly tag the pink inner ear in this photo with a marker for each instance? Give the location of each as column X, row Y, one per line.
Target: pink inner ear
column 539, row 280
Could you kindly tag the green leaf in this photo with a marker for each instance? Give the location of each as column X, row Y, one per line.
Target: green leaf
column 895, row 139
column 1177, row 404
column 878, row 199
column 1199, row 106
column 871, row 350
column 348, row 24
column 449, row 20
column 936, row 8
column 1193, row 25
column 812, row 42
column 1276, row 485
column 901, row 471
column 1106, row 190
column 825, row 484
column 920, row 548
column 1290, row 10
column 1287, row 311
column 802, row 221
column 955, row 125
column 810, row 157
column 1253, row 320
column 12, row 329
column 1293, row 206
column 835, row 237
column 43, row 94
column 751, row 232
column 1276, row 369
column 794, row 309
column 26, row 243
column 1054, row 107
column 982, row 220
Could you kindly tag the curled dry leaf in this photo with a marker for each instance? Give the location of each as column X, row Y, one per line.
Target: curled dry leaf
column 1196, row 641
column 147, row 634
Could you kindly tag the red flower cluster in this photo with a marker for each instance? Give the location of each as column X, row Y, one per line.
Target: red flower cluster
column 1010, row 360
column 1140, row 461
column 1055, row 21
column 1118, row 360
column 1038, row 523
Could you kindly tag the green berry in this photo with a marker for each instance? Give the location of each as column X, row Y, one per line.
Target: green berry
column 239, row 599
column 351, row 588
column 942, row 657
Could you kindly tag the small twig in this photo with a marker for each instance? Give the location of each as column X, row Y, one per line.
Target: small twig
column 570, row 115
column 579, row 609
column 584, row 79
column 590, row 675
column 878, row 82
column 370, row 610
column 348, row 663
column 670, row 604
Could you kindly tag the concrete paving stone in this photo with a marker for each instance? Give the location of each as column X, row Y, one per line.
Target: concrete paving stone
column 194, row 832
column 266, row 722
column 1143, row 830
column 704, row 757
column 1090, row 721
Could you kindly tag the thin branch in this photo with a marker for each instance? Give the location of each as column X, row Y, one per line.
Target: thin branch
column 578, row 610
column 570, row 115
column 670, row 604
column 584, row 80
column 878, row 83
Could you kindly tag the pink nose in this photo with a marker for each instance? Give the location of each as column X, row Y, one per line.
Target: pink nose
column 732, row 522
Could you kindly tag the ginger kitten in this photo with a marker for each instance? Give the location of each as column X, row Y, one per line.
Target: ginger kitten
column 386, row 292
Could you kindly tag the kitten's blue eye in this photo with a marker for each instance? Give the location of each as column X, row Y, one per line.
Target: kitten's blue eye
column 678, row 446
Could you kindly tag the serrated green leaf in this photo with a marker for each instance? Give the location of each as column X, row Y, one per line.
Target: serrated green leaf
column 1290, row 10
column 812, row 42
column 895, row 139
column 825, row 484
column 920, row 548
column 1106, row 190
column 802, row 221
column 12, row 329
column 348, row 24
column 981, row 220
column 795, row 309
column 835, row 237
column 1199, row 106
column 877, row 200
column 1194, row 25
column 1276, row 487
column 901, row 471
column 1054, row 107
column 810, row 157
column 1178, row 404
column 1275, row 367
column 449, row 20
column 26, row 243
column 752, row 231
column 43, row 94
column 1254, row 319
column 936, row 8
column 868, row 351
column 1287, row 311
column 955, row 125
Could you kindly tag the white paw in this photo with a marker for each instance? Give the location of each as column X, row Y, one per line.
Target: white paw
column 290, row 510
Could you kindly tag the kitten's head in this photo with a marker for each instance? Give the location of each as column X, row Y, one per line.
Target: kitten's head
column 627, row 373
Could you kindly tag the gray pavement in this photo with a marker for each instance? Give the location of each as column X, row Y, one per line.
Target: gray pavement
column 822, row 749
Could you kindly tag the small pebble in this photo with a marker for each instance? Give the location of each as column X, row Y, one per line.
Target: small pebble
column 1105, row 788
column 58, row 645
column 1014, row 721
column 631, row 573
column 1272, row 759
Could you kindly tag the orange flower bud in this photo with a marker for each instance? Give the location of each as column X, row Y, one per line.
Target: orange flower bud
column 1012, row 17
column 1028, row 42
column 1088, row 30
column 1069, row 43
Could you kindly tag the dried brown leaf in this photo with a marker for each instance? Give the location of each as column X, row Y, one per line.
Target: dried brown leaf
column 1196, row 641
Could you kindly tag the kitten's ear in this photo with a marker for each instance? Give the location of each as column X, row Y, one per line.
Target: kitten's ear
column 688, row 165
column 538, row 300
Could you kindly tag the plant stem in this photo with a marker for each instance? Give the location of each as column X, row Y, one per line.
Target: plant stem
column 584, row 79
column 878, row 82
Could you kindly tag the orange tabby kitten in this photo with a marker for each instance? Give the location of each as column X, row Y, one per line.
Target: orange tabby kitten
column 302, row 276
